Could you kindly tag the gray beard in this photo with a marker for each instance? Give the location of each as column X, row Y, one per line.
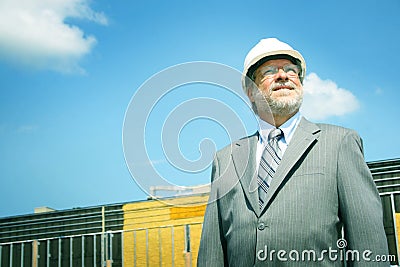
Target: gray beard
column 264, row 104
column 285, row 108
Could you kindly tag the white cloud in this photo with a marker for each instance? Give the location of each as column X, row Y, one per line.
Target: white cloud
column 34, row 33
column 323, row 99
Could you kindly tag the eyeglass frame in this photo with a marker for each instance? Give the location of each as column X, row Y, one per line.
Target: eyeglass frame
column 291, row 70
column 253, row 68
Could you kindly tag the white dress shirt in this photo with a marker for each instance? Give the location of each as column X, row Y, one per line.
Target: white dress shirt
column 265, row 128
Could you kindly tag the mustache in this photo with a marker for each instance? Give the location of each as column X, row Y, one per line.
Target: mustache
column 279, row 85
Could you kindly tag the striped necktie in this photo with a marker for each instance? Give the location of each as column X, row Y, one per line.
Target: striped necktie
column 270, row 160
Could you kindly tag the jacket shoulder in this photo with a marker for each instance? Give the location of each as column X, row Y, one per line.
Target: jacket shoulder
column 335, row 129
column 244, row 141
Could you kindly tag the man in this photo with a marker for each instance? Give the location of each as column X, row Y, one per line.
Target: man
column 295, row 193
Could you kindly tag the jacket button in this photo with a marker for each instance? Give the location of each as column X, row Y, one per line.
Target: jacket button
column 261, row 226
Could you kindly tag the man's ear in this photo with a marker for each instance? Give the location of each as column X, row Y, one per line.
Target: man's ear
column 250, row 92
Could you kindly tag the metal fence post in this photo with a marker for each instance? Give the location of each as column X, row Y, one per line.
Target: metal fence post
column 160, row 246
column 134, row 248
column 48, row 252
column 188, row 253
column 94, row 250
column 11, row 255
column 172, row 247
column 83, row 251
column 122, row 249
column 59, row 251
column 110, row 247
column 147, row 247
column 71, row 247
column 22, row 254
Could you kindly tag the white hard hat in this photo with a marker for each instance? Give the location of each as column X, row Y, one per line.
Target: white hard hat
column 265, row 49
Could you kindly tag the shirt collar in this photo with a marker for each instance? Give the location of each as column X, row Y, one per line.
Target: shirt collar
column 287, row 128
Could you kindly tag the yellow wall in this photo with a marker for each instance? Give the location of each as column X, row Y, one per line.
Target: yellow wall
column 163, row 221
column 398, row 228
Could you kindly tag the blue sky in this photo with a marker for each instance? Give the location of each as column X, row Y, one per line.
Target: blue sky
column 69, row 70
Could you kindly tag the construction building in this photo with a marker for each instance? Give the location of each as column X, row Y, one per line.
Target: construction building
column 153, row 232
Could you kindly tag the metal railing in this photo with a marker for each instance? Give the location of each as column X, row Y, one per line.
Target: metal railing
column 108, row 249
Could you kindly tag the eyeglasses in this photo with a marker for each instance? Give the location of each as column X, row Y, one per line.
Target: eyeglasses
column 269, row 71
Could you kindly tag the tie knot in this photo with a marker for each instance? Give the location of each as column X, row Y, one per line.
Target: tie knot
column 275, row 134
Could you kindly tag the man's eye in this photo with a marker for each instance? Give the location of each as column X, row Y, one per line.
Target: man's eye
column 269, row 72
column 291, row 69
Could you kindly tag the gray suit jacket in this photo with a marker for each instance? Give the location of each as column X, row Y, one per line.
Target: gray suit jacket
column 321, row 186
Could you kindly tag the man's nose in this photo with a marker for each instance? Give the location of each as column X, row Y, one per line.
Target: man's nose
column 281, row 75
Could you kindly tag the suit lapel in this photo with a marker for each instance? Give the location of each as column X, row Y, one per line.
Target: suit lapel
column 305, row 135
column 244, row 157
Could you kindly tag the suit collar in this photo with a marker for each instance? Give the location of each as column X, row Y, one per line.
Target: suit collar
column 244, row 157
column 288, row 128
column 304, row 137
